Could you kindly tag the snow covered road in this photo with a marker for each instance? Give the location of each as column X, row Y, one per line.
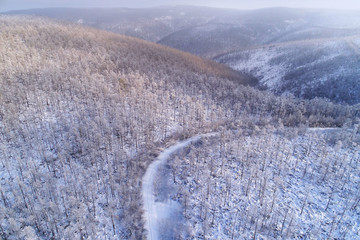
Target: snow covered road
column 151, row 211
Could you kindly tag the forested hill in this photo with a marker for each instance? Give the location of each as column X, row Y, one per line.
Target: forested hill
column 306, row 52
column 125, row 52
column 83, row 111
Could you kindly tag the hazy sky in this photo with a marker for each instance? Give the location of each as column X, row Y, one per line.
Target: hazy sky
column 242, row 4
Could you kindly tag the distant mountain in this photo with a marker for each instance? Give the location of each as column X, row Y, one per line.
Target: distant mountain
column 150, row 24
column 305, row 70
column 186, row 27
column 326, row 67
column 236, row 30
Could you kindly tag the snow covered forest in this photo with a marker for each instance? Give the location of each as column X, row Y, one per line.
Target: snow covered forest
column 270, row 184
column 306, row 52
column 84, row 112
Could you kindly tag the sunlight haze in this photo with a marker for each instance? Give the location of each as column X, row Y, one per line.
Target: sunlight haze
column 6, row 5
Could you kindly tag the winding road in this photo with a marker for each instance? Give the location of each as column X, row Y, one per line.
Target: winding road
column 151, row 214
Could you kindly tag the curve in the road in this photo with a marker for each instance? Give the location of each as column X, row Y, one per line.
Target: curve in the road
column 150, row 214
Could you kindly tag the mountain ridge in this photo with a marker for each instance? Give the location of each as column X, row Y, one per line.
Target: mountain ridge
column 211, row 33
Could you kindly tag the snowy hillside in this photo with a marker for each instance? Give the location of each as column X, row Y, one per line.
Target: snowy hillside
column 307, row 52
column 310, row 68
column 271, row 185
column 82, row 114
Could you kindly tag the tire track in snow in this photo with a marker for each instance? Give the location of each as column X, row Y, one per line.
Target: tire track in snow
column 150, row 214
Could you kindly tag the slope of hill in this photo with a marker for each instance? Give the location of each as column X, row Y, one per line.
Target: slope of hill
column 83, row 112
column 310, row 68
column 270, row 186
column 228, row 35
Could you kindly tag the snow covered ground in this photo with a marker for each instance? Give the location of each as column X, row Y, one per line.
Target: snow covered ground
column 157, row 213
column 272, row 186
column 271, row 63
column 306, row 68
